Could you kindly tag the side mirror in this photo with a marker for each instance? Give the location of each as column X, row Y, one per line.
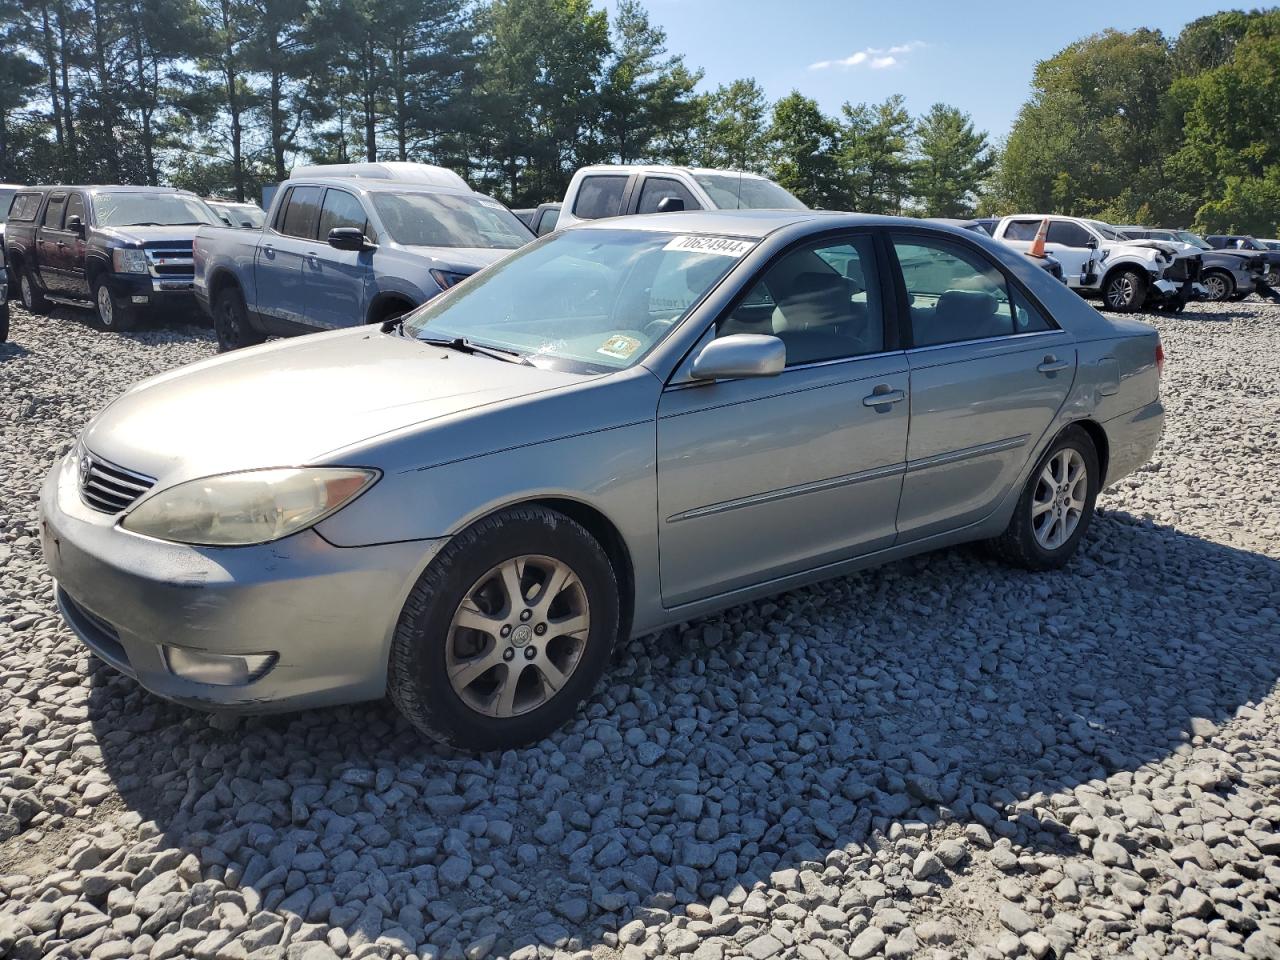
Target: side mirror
column 350, row 238
column 1092, row 244
column 740, row 355
column 670, row 205
column 75, row 225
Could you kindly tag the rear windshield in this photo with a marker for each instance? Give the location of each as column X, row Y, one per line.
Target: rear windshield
column 733, row 191
column 150, row 210
column 449, row 220
column 237, row 216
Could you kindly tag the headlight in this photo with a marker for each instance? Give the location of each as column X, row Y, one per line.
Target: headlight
column 448, row 278
column 239, row 509
column 125, row 260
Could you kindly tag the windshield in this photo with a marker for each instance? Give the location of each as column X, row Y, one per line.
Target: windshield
column 734, row 191
column 449, row 220
column 150, row 209
column 583, row 301
column 1186, row 236
column 1108, row 232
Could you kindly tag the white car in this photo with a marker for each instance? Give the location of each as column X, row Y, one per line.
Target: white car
column 611, row 190
column 1098, row 260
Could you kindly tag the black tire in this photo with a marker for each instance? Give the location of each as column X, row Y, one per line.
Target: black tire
column 231, row 322
column 1018, row 544
column 4, row 322
column 33, row 300
column 1219, row 285
column 114, row 313
column 417, row 679
column 1125, row 290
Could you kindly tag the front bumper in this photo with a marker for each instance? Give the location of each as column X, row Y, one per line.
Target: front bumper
column 142, row 289
column 328, row 613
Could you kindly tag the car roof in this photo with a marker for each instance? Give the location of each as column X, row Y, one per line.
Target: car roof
column 665, row 168
column 113, row 187
column 370, row 185
column 752, row 224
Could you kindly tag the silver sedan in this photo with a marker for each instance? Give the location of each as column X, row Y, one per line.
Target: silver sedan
column 617, row 428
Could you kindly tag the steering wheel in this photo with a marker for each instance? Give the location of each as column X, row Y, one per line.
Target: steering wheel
column 656, row 328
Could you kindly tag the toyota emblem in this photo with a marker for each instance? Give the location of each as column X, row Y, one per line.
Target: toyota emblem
column 86, row 464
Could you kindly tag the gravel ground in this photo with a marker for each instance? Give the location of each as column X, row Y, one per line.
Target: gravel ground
column 940, row 758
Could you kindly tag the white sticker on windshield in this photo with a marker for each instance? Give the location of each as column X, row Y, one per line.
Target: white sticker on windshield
column 721, row 246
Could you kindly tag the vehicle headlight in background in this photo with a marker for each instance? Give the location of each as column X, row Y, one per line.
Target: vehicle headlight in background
column 127, row 260
column 448, row 278
column 240, row 509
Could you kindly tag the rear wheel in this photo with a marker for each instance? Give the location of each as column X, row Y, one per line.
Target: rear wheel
column 1125, row 290
column 1218, row 285
column 1056, row 505
column 4, row 322
column 231, row 322
column 113, row 312
column 32, row 296
column 506, row 632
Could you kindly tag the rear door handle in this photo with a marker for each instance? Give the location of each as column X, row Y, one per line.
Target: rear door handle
column 883, row 396
column 1052, row 364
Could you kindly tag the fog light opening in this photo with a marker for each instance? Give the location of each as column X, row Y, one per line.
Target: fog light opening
column 218, row 669
column 140, row 299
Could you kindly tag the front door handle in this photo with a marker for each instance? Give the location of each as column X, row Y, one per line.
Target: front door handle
column 883, row 396
column 268, row 250
column 1052, row 364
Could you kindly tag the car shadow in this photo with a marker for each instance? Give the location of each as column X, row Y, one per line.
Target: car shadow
column 944, row 687
column 11, row 351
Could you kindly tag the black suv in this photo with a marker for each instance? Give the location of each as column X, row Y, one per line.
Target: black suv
column 116, row 250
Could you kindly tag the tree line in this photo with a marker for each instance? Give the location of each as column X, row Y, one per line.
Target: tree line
column 224, row 96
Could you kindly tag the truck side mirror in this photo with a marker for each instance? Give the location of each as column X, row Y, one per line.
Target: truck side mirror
column 1092, row 244
column 75, row 225
column 350, row 238
column 670, row 205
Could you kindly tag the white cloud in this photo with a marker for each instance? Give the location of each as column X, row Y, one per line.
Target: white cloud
column 874, row 58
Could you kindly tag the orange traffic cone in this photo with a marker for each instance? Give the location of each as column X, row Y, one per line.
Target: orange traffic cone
column 1037, row 245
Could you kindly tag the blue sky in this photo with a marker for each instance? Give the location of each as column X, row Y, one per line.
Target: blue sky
column 975, row 54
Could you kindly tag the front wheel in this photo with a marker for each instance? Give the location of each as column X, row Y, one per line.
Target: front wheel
column 1056, row 505
column 113, row 313
column 506, row 632
column 1218, row 286
column 4, row 322
column 1125, row 290
column 231, row 322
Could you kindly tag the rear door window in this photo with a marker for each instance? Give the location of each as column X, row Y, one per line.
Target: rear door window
column 25, row 206
column 301, row 213
column 599, row 196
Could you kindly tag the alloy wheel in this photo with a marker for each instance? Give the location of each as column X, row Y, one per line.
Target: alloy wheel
column 1216, row 287
column 105, row 307
column 517, row 636
column 1121, row 291
column 1059, row 500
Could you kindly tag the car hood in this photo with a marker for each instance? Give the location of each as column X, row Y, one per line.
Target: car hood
column 292, row 401
column 148, row 235
column 1170, row 248
column 463, row 259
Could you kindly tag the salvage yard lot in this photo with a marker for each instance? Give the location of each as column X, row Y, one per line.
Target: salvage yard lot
column 940, row 755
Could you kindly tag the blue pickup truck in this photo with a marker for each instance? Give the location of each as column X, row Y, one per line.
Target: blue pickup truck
column 345, row 245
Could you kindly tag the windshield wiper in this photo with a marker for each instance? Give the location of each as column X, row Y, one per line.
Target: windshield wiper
column 463, row 345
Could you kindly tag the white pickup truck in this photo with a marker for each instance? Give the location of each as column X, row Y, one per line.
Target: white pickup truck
column 611, row 190
column 1098, row 260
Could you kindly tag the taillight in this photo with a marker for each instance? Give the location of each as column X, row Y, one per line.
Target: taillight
column 1159, row 357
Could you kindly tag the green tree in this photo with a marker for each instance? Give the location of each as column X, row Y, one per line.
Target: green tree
column 648, row 95
column 806, row 152
column 952, row 163
column 539, row 93
column 874, row 155
column 735, row 131
column 20, row 78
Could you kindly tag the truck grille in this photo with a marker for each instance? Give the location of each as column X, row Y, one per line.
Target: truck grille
column 1185, row 268
column 170, row 262
column 108, row 488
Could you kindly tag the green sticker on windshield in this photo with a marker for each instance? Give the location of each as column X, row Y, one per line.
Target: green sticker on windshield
column 619, row 346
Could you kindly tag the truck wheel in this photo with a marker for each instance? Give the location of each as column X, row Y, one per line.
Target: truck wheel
column 1218, row 285
column 506, row 632
column 231, row 322
column 1125, row 290
column 4, row 323
column 113, row 313
column 32, row 296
